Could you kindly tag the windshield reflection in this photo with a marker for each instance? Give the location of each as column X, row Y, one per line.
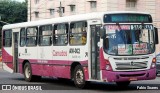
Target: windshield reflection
column 129, row 39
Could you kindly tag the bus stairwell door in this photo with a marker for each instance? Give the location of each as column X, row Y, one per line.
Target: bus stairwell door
column 95, row 65
column 15, row 53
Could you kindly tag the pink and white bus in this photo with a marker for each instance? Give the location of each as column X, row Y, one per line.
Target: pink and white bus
column 104, row 47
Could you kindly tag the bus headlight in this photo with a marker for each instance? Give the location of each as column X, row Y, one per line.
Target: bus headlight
column 153, row 65
column 108, row 65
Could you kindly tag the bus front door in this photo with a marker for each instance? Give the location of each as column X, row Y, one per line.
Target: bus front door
column 15, row 51
column 95, row 39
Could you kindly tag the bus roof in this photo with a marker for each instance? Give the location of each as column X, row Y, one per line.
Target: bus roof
column 80, row 17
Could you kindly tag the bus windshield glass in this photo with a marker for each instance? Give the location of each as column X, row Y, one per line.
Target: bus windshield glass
column 129, row 39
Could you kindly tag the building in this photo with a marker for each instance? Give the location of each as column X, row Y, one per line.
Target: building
column 44, row 9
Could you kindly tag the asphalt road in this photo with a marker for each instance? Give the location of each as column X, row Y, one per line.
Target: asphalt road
column 51, row 85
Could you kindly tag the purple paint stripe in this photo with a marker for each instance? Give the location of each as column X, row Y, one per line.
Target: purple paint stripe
column 54, row 62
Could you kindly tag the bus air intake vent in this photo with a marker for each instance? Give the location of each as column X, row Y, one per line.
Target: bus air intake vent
column 134, row 58
column 131, row 75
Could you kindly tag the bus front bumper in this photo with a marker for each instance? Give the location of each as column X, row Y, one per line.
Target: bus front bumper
column 111, row 76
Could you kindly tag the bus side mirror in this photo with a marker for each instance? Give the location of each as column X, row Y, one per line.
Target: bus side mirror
column 156, row 35
column 102, row 32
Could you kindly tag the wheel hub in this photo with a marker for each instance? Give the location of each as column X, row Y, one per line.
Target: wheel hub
column 79, row 77
column 27, row 72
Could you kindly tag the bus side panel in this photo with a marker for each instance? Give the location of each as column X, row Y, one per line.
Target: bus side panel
column 7, row 58
column 36, row 69
column 44, row 55
column 60, row 68
column 57, row 68
column 30, row 55
column 66, row 70
column 61, row 71
column 48, row 70
column 53, row 68
column 59, row 61
column 20, row 67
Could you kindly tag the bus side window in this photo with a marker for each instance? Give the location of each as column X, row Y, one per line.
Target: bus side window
column 31, row 36
column 22, row 37
column 45, row 34
column 7, row 38
column 78, row 33
column 60, row 35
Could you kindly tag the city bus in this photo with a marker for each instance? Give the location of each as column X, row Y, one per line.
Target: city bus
column 102, row 47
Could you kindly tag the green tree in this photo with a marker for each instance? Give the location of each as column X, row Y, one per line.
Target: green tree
column 12, row 12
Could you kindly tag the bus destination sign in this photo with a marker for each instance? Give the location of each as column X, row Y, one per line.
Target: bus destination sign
column 127, row 18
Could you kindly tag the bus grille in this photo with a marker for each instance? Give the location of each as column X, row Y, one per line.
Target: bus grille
column 131, row 65
column 134, row 58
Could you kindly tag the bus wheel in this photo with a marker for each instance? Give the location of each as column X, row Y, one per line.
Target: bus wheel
column 28, row 72
column 79, row 80
column 123, row 84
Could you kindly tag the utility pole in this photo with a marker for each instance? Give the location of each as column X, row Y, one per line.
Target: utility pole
column 30, row 10
column 60, row 10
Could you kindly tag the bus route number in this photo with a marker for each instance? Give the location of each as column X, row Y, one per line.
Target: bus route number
column 74, row 50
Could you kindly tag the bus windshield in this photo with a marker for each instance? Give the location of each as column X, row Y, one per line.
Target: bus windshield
column 129, row 39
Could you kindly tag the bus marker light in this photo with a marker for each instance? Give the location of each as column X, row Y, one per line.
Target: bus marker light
column 85, row 69
column 154, row 60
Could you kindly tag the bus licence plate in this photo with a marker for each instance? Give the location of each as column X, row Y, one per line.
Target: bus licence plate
column 132, row 79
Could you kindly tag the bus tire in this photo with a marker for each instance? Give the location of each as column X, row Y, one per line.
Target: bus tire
column 123, row 84
column 79, row 78
column 28, row 72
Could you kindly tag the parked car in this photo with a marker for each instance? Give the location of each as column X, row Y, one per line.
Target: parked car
column 158, row 65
